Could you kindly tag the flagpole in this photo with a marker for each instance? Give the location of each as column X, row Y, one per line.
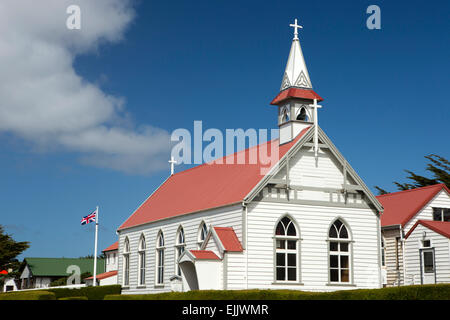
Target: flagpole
column 95, row 253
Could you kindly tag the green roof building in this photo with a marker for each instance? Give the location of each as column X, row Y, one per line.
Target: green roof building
column 40, row 272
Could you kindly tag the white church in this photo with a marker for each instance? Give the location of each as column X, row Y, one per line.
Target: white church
column 308, row 223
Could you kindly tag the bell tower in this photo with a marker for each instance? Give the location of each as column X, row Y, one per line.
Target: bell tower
column 297, row 102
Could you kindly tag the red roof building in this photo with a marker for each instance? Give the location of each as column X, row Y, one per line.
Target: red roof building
column 403, row 212
column 231, row 224
column 113, row 247
column 216, row 184
column 400, row 207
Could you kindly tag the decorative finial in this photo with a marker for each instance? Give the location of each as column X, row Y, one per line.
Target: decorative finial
column 172, row 165
column 296, row 27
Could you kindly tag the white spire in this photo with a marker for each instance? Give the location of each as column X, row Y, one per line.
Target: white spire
column 296, row 73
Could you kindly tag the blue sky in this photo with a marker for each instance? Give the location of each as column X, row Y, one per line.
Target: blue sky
column 222, row 62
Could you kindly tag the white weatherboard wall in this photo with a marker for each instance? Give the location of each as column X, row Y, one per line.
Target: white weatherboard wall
column 440, row 200
column 441, row 247
column 211, row 276
column 314, row 222
column 111, row 261
column 230, row 216
column 109, row 281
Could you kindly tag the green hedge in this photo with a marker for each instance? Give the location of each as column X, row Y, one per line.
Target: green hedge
column 28, row 295
column 425, row 292
column 91, row 293
column 74, row 298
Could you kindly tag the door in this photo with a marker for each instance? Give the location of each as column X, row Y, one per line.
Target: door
column 428, row 266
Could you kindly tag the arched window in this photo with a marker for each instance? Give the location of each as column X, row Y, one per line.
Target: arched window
column 160, row 258
column 286, row 251
column 126, row 262
column 141, row 252
column 285, row 114
column 339, row 252
column 202, row 233
column 180, row 244
column 302, row 116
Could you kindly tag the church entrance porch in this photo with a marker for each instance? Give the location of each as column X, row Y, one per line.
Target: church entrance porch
column 201, row 270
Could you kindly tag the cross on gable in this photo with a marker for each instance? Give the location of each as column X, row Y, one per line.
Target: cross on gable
column 296, row 27
column 172, row 162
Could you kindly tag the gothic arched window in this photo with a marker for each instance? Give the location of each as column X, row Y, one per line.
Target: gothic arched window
column 141, row 252
column 202, row 233
column 180, row 244
column 286, row 250
column 160, row 258
column 285, row 114
column 302, row 116
column 339, row 252
column 126, row 262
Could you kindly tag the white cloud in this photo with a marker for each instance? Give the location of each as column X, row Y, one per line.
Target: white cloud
column 43, row 100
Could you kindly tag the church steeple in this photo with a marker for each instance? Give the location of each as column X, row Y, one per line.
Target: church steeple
column 296, row 99
column 296, row 73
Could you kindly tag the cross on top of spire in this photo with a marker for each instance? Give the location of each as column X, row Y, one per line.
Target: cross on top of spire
column 296, row 27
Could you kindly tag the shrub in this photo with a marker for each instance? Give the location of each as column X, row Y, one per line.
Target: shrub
column 28, row 295
column 73, row 298
column 92, row 293
column 423, row 292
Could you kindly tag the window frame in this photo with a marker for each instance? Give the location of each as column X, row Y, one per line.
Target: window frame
column 180, row 247
column 349, row 253
column 303, row 108
column 443, row 212
column 200, row 232
column 126, row 263
column 285, row 238
column 159, row 259
column 142, row 263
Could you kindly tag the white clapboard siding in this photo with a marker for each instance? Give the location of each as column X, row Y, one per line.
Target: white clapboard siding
column 313, row 222
column 440, row 200
column 230, row 216
column 394, row 267
column 328, row 173
column 235, row 271
column 412, row 257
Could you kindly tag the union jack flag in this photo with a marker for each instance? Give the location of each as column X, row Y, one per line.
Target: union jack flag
column 89, row 218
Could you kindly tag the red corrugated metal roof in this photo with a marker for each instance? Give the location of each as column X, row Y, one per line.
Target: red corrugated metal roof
column 229, row 239
column 204, row 255
column 441, row 227
column 104, row 275
column 400, row 207
column 114, row 246
column 206, row 186
column 296, row 93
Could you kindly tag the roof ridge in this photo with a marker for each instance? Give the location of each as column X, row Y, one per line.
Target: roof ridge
column 414, row 189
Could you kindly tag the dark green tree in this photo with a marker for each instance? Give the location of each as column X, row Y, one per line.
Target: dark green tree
column 439, row 167
column 9, row 250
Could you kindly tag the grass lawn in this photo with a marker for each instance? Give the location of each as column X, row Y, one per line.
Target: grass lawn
column 424, row 292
